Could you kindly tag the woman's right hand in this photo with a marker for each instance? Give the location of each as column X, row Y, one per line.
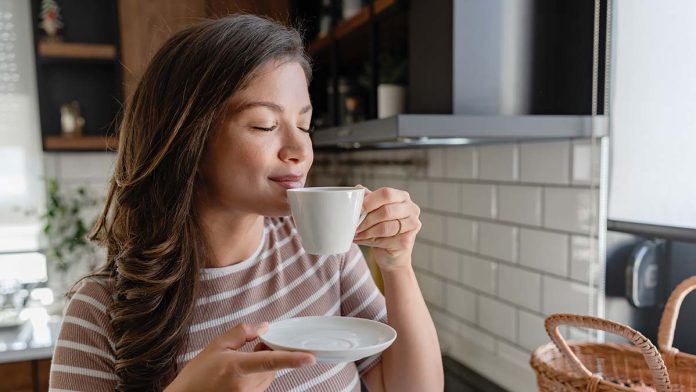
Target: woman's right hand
column 220, row 367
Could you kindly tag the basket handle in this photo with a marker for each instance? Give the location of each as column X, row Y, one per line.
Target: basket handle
column 650, row 353
column 668, row 322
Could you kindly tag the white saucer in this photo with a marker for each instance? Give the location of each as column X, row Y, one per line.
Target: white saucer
column 332, row 339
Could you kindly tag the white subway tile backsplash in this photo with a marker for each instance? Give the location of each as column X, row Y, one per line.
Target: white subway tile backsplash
column 562, row 296
column 478, row 273
column 547, row 163
column 445, row 263
column 520, row 204
column 461, row 162
column 436, row 163
column 569, row 209
column 461, row 302
column 513, row 354
column 395, row 183
column 497, row 317
column 545, row 251
column 433, row 289
column 444, row 321
column 520, row 287
column 478, row 200
column 86, row 167
column 460, row 233
column 498, row 162
column 532, row 333
column 581, row 256
column 585, row 162
column 445, row 196
column 433, row 227
column 477, row 337
column 422, row 254
column 419, row 191
column 485, row 208
column 499, row 241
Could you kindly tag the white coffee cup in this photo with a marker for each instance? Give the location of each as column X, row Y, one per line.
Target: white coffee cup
column 326, row 217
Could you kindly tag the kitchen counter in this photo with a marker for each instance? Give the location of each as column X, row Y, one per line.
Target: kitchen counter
column 34, row 339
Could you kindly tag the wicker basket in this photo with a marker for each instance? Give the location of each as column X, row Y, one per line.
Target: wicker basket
column 681, row 366
column 564, row 367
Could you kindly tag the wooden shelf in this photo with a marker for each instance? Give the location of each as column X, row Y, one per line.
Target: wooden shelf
column 350, row 25
column 80, row 143
column 382, row 5
column 318, row 44
column 77, row 50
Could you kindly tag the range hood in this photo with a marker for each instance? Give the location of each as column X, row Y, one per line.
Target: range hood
column 412, row 130
column 492, row 71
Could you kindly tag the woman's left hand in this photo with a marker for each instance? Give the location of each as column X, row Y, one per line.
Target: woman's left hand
column 390, row 227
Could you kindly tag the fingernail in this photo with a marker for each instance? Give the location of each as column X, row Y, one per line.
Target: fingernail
column 308, row 361
column 262, row 327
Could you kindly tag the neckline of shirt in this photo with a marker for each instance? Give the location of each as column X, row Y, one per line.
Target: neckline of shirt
column 213, row 271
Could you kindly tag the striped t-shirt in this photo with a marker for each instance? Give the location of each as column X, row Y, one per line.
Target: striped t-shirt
column 278, row 281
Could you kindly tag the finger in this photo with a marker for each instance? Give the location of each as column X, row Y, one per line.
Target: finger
column 265, row 361
column 397, row 243
column 240, row 334
column 382, row 196
column 387, row 229
column 387, row 212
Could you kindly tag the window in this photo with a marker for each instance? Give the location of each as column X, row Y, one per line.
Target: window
column 21, row 163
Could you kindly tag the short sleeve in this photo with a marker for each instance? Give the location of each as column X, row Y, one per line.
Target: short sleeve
column 360, row 297
column 83, row 359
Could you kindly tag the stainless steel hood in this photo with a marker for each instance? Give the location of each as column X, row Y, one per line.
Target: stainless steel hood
column 412, row 130
column 493, row 71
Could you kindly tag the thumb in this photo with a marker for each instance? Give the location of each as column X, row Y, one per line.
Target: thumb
column 242, row 333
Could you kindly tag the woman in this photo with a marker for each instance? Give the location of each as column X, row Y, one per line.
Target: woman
column 201, row 251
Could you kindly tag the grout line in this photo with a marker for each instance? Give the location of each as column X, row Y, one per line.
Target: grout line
column 378, row 176
column 478, row 328
column 482, row 293
column 501, row 222
column 502, row 262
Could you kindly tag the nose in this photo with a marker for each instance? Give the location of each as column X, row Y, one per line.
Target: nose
column 296, row 146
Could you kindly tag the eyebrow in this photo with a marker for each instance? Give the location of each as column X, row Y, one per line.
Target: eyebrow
column 269, row 105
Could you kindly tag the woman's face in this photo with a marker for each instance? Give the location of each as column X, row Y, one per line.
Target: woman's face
column 262, row 147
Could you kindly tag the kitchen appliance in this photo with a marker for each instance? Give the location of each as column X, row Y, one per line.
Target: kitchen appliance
column 492, row 71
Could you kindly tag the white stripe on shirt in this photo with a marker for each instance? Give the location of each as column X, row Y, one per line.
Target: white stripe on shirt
column 85, row 349
column 253, row 283
column 91, row 301
column 83, row 372
column 365, row 304
column 250, row 309
column 318, row 380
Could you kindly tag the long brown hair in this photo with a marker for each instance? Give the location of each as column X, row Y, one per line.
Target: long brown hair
column 149, row 224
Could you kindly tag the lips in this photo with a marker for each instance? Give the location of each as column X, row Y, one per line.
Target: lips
column 288, row 181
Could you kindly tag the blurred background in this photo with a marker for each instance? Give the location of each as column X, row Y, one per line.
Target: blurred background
column 549, row 144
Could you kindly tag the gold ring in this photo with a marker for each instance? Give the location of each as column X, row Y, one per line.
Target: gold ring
column 400, row 227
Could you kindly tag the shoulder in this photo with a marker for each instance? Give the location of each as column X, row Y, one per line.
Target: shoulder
column 90, row 299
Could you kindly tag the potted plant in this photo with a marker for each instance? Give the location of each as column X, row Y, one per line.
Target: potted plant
column 69, row 253
column 391, row 88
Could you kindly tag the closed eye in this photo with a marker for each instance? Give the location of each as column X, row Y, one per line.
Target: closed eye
column 307, row 130
column 266, row 129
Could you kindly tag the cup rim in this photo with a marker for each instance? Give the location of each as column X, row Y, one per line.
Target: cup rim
column 317, row 189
